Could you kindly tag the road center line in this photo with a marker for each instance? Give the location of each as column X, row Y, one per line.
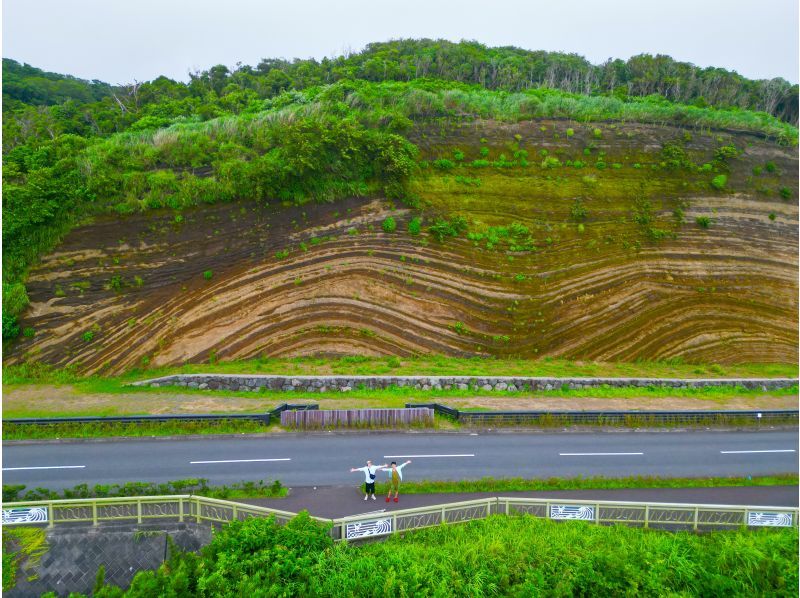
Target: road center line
column 596, row 454
column 47, row 467
column 764, row 451
column 424, row 456
column 236, row 461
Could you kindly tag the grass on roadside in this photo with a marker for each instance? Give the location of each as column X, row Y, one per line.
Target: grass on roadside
column 196, row 486
column 103, row 430
column 489, row 484
column 435, row 365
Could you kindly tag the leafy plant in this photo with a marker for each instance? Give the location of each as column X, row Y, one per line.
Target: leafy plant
column 389, row 225
column 719, row 182
column 208, row 275
column 703, row 221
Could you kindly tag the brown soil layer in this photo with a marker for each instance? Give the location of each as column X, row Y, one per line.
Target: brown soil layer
column 727, row 294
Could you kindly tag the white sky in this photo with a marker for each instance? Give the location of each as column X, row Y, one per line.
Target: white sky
column 118, row 41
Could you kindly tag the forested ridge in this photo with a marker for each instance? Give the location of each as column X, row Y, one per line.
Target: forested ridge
column 95, row 108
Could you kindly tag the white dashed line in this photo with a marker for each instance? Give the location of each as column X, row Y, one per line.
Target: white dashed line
column 237, row 461
column 48, row 467
column 764, row 451
column 424, row 456
column 597, row 454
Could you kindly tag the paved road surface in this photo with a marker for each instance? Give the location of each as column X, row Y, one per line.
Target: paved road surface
column 326, row 459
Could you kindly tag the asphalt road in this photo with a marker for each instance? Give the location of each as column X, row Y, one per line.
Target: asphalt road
column 326, row 459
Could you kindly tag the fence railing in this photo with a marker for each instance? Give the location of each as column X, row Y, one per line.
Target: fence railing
column 200, row 509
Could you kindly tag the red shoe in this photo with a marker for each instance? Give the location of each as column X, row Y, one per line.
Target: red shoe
column 395, row 499
column 387, row 499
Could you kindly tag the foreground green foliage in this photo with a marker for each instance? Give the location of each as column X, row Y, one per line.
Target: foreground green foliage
column 119, row 429
column 500, row 556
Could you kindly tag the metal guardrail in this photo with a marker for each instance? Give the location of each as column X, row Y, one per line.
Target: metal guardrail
column 264, row 418
column 201, row 509
column 612, row 417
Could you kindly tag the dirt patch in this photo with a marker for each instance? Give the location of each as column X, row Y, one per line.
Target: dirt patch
column 633, row 404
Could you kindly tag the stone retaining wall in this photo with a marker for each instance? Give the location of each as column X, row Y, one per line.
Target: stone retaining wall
column 255, row 383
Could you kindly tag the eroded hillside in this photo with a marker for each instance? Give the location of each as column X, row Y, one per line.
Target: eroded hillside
column 601, row 241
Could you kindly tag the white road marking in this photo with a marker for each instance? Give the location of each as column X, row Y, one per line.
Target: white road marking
column 424, row 456
column 596, row 454
column 764, row 451
column 237, row 461
column 48, row 467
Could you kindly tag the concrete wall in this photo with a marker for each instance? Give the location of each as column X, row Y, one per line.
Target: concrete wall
column 255, row 383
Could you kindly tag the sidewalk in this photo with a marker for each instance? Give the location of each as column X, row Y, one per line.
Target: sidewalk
column 341, row 501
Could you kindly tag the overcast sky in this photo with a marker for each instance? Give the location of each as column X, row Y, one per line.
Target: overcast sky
column 118, row 41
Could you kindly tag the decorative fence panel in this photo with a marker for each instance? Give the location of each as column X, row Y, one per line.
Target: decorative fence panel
column 357, row 418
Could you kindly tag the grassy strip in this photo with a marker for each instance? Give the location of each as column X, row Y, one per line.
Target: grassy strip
column 197, row 486
column 20, row 543
column 489, row 484
column 428, row 365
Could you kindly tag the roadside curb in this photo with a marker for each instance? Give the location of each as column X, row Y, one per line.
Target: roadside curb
column 462, row 432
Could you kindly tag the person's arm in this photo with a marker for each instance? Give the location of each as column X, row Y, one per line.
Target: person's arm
column 352, row 469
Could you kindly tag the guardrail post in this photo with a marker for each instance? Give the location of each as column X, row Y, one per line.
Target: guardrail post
column 597, row 513
column 138, row 510
column 696, row 517
column 180, row 510
column 488, row 508
column 197, row 509
column 507, row 509
column 94, row 513
column 394, row 523
column 235, row 514
column 647, row 515
column 342, row 533
column 547, row 510
column 444, row 520
column 51, row 519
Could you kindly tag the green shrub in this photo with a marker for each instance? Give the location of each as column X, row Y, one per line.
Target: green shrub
column 570, row 132
column 208, row 274
column 414, row 226
column 725, row 153
column 458, row 155
column 703, row 221
column 481, row 163
column 282, row 254
column 757, row 170
column 443, row 164
column 87, row 336
column 772, row 216
column 551, row 162
column 770, row 167
column 484, row 152
column 389, row 225
column 442, row 228
column 785, row 192
column 598, row 134
column 719, row 182
column 578, row 210
column 28, row 332
column 10, row 327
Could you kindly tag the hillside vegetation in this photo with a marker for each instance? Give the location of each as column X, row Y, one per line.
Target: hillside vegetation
column 404, row 218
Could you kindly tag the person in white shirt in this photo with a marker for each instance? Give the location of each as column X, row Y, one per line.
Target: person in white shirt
column 395, row 477
column 370, row 473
